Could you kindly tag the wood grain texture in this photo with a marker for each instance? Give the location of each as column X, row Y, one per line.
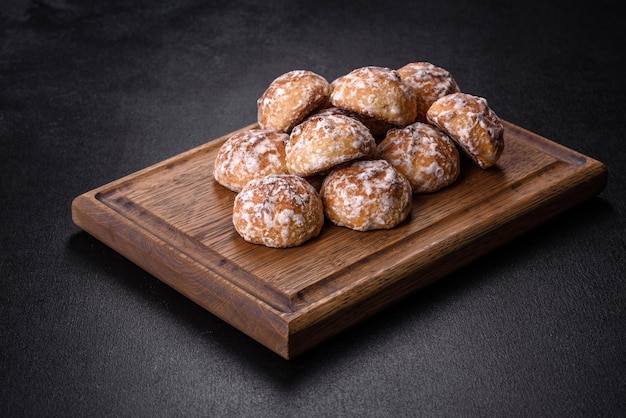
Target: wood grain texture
column 174, row 220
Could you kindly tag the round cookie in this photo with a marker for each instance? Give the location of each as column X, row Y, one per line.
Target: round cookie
column 377, row 127
column 377, row 92
column 278, row 211
column 331, row 110
column 290, row 98
column 429, row 83
column 472, row 124
column 322, row 141
column 250, row 154
column 365, row 195
column 423, row 154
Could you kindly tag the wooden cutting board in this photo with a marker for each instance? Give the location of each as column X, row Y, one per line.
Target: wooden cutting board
column 174, row 221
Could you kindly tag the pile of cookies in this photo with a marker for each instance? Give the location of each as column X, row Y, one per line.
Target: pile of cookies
column 375, row 137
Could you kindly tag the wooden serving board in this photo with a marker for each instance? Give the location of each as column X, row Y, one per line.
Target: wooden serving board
column 174, row 221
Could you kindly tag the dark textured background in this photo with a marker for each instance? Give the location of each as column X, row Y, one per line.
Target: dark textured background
column 94, row 90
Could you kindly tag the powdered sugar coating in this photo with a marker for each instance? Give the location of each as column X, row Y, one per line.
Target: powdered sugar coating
column 377, row 92
column 429, row 83
column 378, row 128
column 250, row 154
column 278, row 211
column 472, row 124
column 423, row 154
column 366, row 195
column 324, row 140
column 290, row 98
